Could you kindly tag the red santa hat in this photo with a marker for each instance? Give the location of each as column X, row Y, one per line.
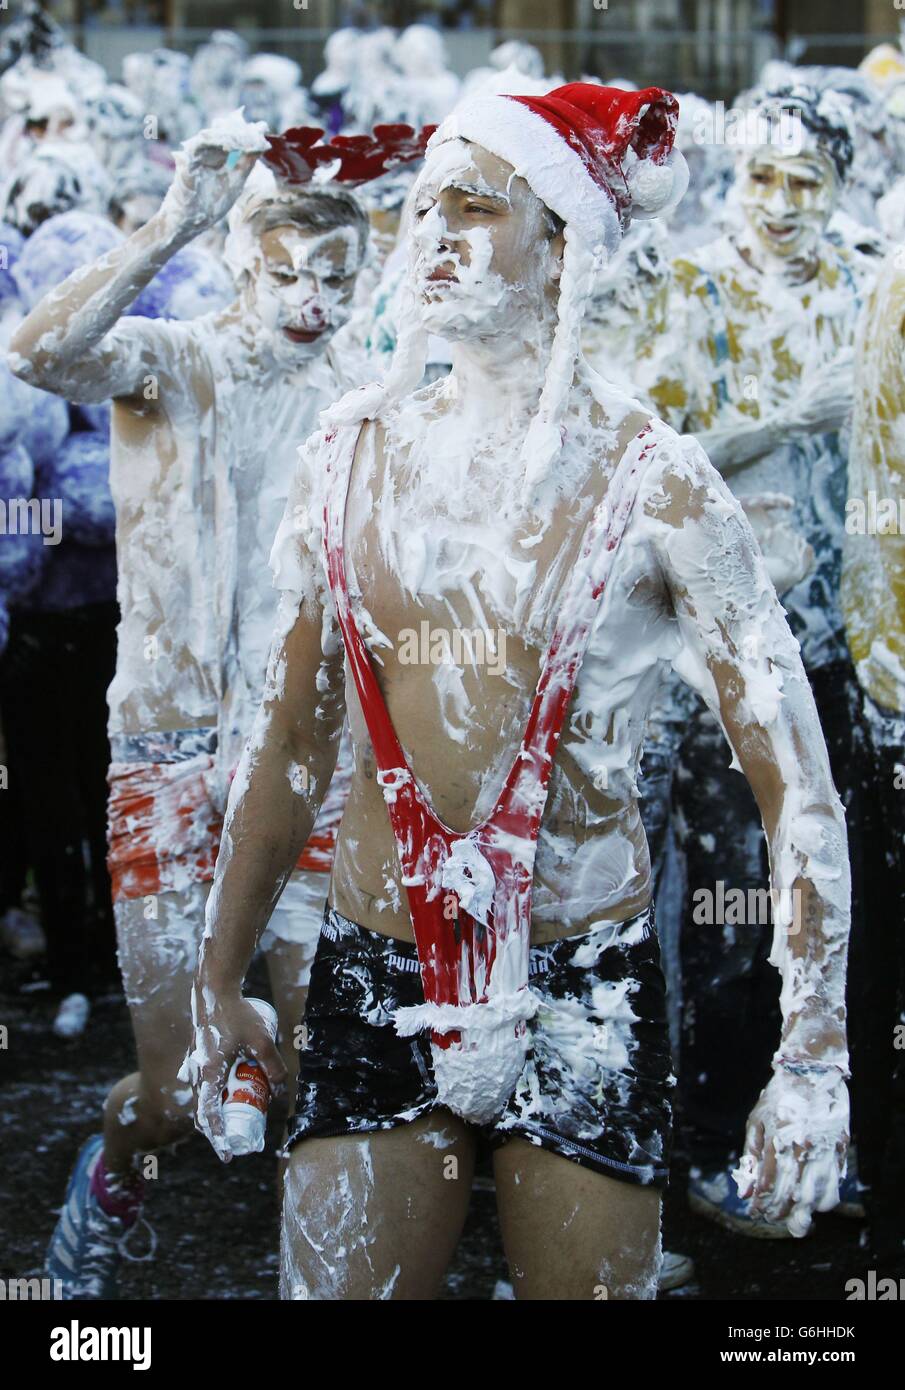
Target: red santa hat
column 596, row 156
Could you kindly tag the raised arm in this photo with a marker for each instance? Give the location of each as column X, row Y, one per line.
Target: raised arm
column 278, row 788
column 64, row 345
column 740, row 655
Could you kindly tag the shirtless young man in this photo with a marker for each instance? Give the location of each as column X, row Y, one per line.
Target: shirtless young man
column 206, row 419
column 492, row 501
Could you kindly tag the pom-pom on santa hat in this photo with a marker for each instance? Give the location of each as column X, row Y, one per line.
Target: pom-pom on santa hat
column 596, row 156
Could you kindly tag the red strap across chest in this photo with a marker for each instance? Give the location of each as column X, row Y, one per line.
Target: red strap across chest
column 457, row 952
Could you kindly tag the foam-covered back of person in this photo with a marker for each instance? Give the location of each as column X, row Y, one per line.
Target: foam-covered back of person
column 426, row 89
column 216, row 73
column 54, row 177
column 44, row 424
column 70, row 445
column 270, row 90
column 29, row 418
column 17, row 473
column 71, row 575
column 115, row 122
column 341, row 64
column 58, row 553
column 161, row 81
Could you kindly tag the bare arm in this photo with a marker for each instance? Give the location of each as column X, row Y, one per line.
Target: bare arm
column 63, row 344
column 277, row 791
column 280, row 783
column 731, row 448
column 740, row 655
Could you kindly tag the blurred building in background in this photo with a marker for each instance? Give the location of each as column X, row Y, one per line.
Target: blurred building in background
column 713, row 46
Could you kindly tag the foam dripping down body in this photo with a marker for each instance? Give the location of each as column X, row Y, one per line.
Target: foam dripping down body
column 451, row 517
column 474, row 967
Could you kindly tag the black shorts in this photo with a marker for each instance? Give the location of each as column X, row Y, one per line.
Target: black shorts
column 597, row 1080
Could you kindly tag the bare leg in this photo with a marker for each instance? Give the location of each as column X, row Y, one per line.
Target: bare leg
column 376, row 1216
column 571, row 1233
column 151, row 1108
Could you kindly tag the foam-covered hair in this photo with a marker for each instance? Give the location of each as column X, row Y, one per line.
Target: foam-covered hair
column 264, row 191
column 826, row 118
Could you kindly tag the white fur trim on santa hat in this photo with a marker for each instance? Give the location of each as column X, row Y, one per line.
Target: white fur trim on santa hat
column 552, row 169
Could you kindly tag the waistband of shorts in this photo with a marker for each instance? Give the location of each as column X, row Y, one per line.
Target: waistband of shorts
column 164, row 745
column 403, row 955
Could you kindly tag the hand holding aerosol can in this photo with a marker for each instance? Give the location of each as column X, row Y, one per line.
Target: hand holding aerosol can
column 233, row 1066
column 246, row 1095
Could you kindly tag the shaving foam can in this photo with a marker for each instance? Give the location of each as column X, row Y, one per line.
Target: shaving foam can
column 246, row 1095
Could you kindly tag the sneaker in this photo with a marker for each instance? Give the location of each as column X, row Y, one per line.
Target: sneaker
column 21, row 935
column 72, row 1016
column 715, row 1196
column 675, row 1271
column 87, row 1244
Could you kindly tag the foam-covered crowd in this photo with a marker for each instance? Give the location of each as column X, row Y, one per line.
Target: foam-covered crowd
column 444, row 518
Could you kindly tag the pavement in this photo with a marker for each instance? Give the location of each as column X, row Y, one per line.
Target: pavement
column 217, row 1227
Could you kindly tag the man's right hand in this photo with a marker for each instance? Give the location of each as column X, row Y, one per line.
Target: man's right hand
column 789, row 557
column 225, row 1026
column 824, row 398
column 211, row 169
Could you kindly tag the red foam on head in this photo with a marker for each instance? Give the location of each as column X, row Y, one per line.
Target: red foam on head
column 296, row 154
